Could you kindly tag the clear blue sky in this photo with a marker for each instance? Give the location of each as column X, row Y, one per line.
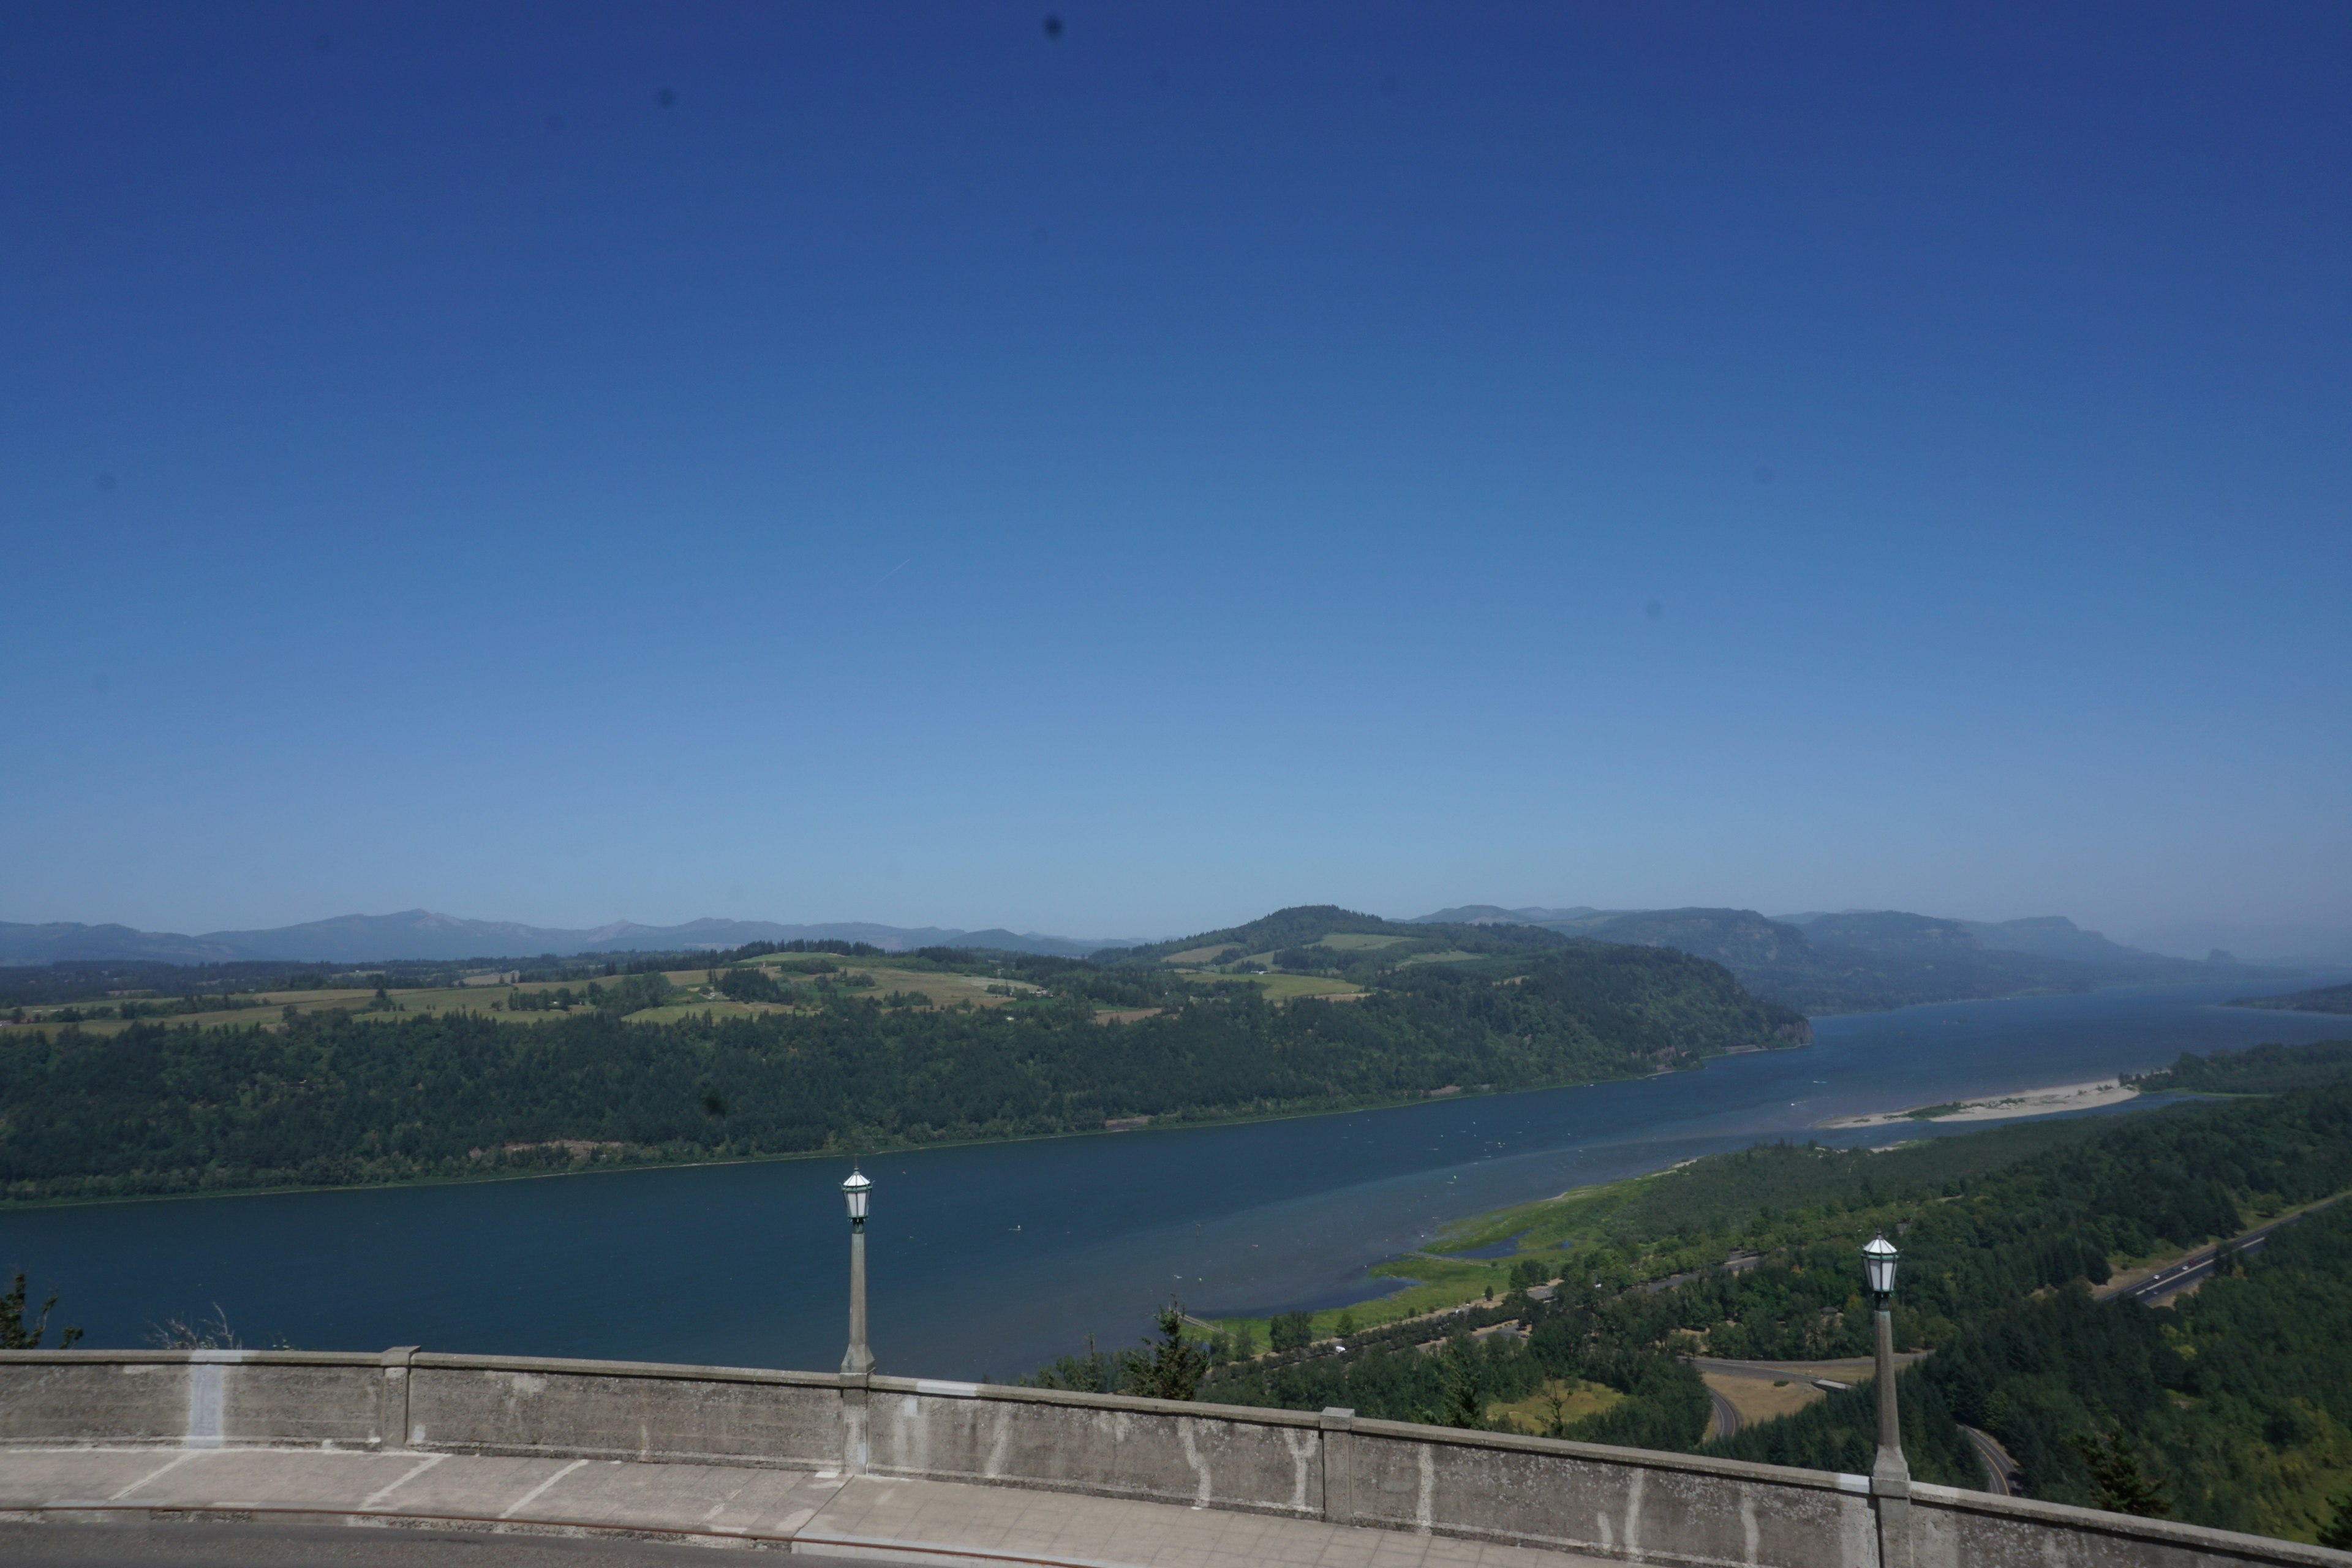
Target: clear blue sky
column 572, row 462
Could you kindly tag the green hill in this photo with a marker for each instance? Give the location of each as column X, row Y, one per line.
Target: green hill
column 775, row 1052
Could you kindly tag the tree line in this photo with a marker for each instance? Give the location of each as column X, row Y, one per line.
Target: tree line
column 330, row 1098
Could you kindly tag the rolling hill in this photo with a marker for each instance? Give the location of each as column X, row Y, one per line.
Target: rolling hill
column 759, row 1054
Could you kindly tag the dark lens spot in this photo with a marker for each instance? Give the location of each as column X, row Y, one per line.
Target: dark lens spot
column 1763, row 475
column 1052, row 25
column 665, row 96
column 106, row 481
column 1655, row 610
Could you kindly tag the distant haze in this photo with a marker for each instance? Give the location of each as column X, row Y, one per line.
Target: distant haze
column 422, row 934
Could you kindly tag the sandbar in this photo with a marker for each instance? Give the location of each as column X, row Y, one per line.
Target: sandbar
column 2051, row 1101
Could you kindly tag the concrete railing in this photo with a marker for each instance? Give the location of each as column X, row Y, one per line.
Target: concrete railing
column 1624, row 1503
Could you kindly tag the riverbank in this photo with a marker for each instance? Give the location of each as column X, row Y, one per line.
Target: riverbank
column 1609, row 1227
column 1245, row 1219
column 603, row 1158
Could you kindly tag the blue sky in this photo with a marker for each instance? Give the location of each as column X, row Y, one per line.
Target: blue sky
column 572, row 462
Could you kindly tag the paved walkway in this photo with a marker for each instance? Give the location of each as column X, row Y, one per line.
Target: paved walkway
column 935, row 1522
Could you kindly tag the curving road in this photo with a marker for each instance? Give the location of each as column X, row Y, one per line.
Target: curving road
column 2002, row 1475
column 1727, row 1418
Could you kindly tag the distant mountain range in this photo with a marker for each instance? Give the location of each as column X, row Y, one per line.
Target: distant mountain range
column 1816, row 963
column 422, row 935
column 1866, row 961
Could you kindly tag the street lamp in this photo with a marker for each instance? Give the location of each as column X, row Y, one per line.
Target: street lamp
column 855, row 1193
column 1878, row 1260
column 1890, row 1476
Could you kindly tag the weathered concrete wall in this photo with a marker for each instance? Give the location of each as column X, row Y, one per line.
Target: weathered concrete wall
column 192, row 1398
column 1604, row 1501
column 1953, row 1529
column 1264, row 1461
column 625, row 1410
column 1622, row 1504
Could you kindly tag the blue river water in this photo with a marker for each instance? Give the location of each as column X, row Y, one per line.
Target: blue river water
column 988, row 1260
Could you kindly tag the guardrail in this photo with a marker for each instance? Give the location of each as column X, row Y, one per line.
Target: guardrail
column 1630, row 1504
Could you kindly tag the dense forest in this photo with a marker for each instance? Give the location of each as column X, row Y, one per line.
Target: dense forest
column 2322, row 999
column 2230, row 1406
column 339, row 1096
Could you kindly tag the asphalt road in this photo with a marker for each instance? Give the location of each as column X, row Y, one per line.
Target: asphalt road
column 2000, row 1470
column 2175, row 1278
column 2195, row 1268
column 1726, row 1419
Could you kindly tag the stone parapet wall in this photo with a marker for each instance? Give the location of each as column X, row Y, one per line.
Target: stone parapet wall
column 1628, row 1504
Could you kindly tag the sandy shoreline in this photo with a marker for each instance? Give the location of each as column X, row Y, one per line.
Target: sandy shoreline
column 2051, row 1101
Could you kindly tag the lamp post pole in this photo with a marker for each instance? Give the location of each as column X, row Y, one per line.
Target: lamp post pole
column 856, row 1190
column 1890, row 1476
column 859, row 1361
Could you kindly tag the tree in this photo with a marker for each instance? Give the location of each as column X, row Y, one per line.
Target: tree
column 1170, row 1366
column 1291, row 1330
column 2337, row 1533
column 1466, row 1386
column 2118, row 1484
column 1556, row 1396
column 15, row 1335
column 1093, row 1372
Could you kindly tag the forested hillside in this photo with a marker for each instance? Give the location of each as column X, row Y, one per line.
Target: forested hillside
column 1862, row 962
column 1865, row 963
column 766, row 1057
column 2233, row 1405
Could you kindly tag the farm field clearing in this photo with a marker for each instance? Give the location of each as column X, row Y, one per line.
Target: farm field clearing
column 1533, row 1414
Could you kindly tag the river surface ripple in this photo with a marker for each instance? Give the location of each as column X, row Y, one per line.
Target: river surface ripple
column 988, row 1260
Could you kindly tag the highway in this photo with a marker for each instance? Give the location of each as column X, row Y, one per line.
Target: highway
column 2193, row 1269
column 2198, row 1267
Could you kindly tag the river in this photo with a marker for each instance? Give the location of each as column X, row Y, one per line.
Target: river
column 987, row 1260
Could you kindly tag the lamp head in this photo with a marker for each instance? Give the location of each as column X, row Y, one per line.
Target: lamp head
column 1878, row 1259
column 854, row 1192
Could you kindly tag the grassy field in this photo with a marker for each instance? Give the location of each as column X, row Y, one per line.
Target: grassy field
column 1198, row 955
column 1429, row 1282
column 1281, row 987
column 937, row 989
column 1426, row 1286
column 1556, row 1400
column 943, row 990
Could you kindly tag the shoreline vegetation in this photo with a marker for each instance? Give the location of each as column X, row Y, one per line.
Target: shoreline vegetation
column 816, row 1048
column 2319, row 999
column 2228, row 1405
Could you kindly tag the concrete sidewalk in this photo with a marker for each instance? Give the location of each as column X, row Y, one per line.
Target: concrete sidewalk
column 877, row 1518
